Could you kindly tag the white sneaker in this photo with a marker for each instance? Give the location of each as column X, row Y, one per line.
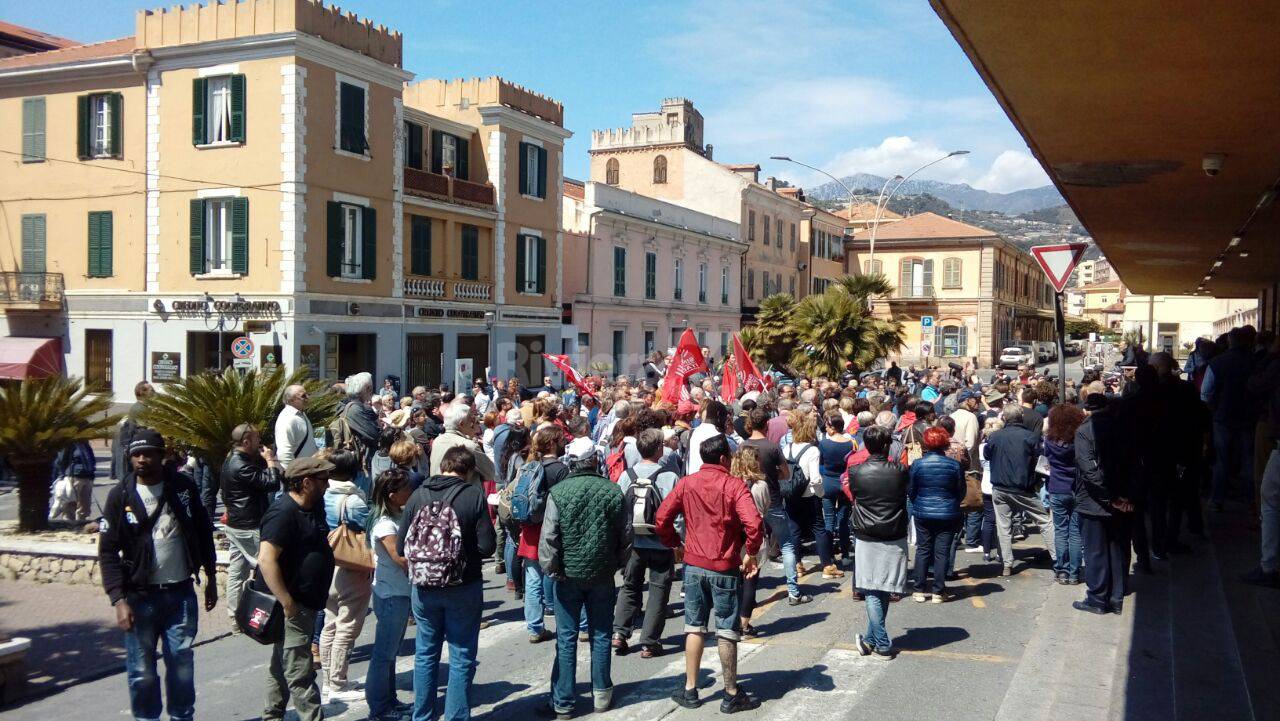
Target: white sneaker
column 974, row 549
column 603, row 698
column 350, row 693
column 919, row 597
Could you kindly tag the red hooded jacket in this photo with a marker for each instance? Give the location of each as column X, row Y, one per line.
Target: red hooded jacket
column 720, row 519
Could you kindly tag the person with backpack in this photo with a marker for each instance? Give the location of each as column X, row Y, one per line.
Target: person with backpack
column 77, row 463
column 445, row 535
column 515, row 447
column 541, row 471
column 802, row 502
column 644, row 486
column 585, row 538
column 356, row 427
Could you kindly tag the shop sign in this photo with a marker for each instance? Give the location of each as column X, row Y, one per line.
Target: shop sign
column 269, row 357
column 166, row 367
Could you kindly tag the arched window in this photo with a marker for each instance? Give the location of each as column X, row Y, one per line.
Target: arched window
column 611, row 171
column 951, row 273
column 660, row 170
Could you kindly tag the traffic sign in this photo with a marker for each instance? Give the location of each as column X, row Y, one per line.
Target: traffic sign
column 926, row 321
column 242, row 347
column 242, row 364
column 1058, row 261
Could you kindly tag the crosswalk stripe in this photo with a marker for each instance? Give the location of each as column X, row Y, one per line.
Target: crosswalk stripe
column 830, row 688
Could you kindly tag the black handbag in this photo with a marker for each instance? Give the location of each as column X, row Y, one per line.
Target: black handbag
column 258, row 614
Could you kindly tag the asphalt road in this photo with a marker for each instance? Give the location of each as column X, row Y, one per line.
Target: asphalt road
column 956, row 661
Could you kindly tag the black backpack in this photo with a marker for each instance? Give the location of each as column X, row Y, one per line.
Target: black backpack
column 793, row 488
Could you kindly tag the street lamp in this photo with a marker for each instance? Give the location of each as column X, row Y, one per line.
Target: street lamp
column 489, row 318
column 884, row 202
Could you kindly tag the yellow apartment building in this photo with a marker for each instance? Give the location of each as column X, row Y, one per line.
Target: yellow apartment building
column 824, row 239
column 261, row 169
column 979, row 291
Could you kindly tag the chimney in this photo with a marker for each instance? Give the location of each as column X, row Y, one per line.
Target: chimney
column 708, row 152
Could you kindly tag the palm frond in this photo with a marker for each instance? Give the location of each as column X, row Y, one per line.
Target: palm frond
column 43, row 416
column 863, row 286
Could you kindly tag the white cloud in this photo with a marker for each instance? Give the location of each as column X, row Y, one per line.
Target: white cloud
column 775, row 117
column 901, row 155
column 1012, row 170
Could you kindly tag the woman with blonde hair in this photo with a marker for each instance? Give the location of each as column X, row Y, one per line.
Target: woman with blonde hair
column 806, row 511
column 746, row 465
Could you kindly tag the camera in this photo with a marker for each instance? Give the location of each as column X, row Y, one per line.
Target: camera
column 1212, row 164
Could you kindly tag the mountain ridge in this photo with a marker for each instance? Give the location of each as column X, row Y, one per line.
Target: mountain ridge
column 960, row 195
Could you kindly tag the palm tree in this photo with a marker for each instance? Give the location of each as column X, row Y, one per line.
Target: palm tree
column 773, row 336
column 199, row 412
column 40, row 418
column 863, row 287
column 835, row 327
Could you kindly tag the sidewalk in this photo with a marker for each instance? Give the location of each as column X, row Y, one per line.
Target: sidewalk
column 73, row 631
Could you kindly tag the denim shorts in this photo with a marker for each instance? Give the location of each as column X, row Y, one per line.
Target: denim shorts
column 707, row 590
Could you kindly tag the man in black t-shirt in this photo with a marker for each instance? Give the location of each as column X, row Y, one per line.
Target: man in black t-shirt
column 297, row 565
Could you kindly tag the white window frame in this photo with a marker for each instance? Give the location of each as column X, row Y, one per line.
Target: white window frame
column 339, row 79
column 352, row 264
column 531, row 170
column 217, row 246
column 217, row 126
column 678, row 287
column 449, row 154
column 702, row 282
column 529, row 283
column 101, row 138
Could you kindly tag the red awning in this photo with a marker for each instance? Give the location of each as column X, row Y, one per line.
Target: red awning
column 22, row 358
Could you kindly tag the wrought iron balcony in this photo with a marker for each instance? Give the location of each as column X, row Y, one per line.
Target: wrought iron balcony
column 30, row 291
column 914, row 293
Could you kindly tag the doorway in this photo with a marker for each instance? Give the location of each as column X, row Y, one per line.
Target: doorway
column 349, row 353
column 529, row 350
column 423, row 362
column 203, row 351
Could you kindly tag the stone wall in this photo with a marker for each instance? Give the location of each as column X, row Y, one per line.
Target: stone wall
column 52, row 562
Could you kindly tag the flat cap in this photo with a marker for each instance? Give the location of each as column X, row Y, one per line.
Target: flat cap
column 309, row 466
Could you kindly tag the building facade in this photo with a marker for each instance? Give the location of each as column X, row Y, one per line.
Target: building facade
column 823, row 235
column 260, row 169
column 645, row 270
column 980, row 292
column 1172, row 323
column 1104, row 303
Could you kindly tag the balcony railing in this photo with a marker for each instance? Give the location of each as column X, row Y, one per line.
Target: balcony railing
column 914, row 293
column 428, row 184
column 442, row 289
column 30, row 291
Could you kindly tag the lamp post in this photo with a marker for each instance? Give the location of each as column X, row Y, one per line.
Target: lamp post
column 490, row 319
column 884, row 201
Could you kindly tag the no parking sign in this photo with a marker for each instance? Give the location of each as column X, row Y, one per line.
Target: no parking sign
column 242, row 347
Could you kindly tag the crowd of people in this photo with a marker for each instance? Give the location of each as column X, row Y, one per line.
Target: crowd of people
column 594, row 500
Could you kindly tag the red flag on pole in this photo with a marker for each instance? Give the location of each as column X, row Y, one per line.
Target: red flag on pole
column 752, row 379
column 687, row 361
column 729, row 380
column 571, row 375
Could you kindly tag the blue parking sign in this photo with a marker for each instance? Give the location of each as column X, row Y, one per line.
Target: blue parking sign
column 926, row 321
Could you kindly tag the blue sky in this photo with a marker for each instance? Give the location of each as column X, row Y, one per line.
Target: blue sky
column 878, row 87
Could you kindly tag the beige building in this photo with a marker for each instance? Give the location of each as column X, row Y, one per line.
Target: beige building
column 261, row 169
column 823, row 235
column 1172, row 323
column 1104, row 302
column 980, row 292
column 1091, row 272
column 662, row 156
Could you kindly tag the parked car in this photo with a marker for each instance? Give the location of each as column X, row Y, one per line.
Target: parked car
column 1015, row 356
column 1046, row 351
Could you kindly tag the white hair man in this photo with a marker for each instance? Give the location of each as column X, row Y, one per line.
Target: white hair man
column 461, row 427
column 356, row 427
column 295, row 437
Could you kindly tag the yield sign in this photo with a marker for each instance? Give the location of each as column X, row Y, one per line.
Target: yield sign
column 1058, row 261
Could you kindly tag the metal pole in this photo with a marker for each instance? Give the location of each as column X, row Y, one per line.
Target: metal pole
column 1151, row 324
column 1060, row 325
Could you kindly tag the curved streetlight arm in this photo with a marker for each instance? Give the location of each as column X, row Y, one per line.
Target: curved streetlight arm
column 885, row 202
column 838, row 181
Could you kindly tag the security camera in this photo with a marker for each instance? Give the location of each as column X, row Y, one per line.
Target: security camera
column 1212, row 164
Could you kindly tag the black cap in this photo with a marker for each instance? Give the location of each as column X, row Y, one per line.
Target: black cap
column 145, row 439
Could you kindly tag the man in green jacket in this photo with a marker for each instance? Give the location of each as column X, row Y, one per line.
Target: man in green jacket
column 585, row 540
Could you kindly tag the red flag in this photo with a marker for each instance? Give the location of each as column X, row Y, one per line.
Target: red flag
column 729, row 380
column 573, row 376
column 752, row 379
column 687, row 361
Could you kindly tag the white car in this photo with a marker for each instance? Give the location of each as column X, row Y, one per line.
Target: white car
column 1015, row 356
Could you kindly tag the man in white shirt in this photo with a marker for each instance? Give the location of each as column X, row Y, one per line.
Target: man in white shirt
column 714, row 418
column 295, row 438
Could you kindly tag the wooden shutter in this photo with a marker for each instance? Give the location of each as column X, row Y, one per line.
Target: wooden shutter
column 963, row 345
column 413, row 145
column 470, row 252
column 462, row 164
column 239, row 235
column 369, row 244
column 437, row 152
column 83, row 127
column 420, row 243
column 333, row 258
column 237, row 108
column 524, row 168
column 199, row 106
column 542, row 173
column 100, row 244
column 928, row 276
column 904, row 277
column 32, row 130
column 115, row 145
column 542, row 265
column 521, row 243
column 33, row 244
column 197, row 237
column 351, row 132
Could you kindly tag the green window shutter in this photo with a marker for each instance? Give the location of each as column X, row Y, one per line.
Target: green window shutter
column 462, row 167
column 197, row 237
column 524, row 168
column 904, row 276
column 351, row 132
column 237, row 108
column 32, row 130
column 620, row 271
column 100, row 244
column 368, row 244
column 333, row 259
column 522, row 242
column 470, row 252
column 240, row 235
column 437, row 150
column 413, row 145
column 106, row 244
column 542, row 265
column 542, row 172
column 33, row 244
column 420, row 245
column 115, row 148
column 964, row 341
column 94, row 239
column 199, row 106
column 82, row 126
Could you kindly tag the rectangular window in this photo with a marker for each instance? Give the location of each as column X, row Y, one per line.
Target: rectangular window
column 353, row 241
column 470, row 252
column 777, row 227
column 951, row 273
column 412, row 145
column 915, row 278
column 98, row 125
column 218, row 120
column 217, row 234
column 32, row 130
column 651, row 275
column 450, row 155
column 751, row 285
column 751, row 225
column 531, row 264
column 97, row 359
column 702, row 282
column 766, row 229
column 351, row 121
column 33, row 243
column 584, row 340
column 419, row 245
column 724, row 344
column 619, row 348
column 101, row 126
column 793, row 237
column 100, row 244
column 724, row 286
column 620, row 271
column 702, row 338
column 870, row 267
column 678, row 293
column 650, row 341
column 533, row 170
column 793, row 285
column 351, row 256
column 217, row 110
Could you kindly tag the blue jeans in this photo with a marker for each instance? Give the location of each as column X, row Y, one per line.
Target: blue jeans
column 452, row 615
column 539, row 593
column 572, row 599
column 973, row 529
column 835, row 516
column 1066, row 535
column 877, row 637
column 781, row 528
column 1233, row 461
column 933, row 551
column 167, row 618
column 392, row 613
column 712, row 593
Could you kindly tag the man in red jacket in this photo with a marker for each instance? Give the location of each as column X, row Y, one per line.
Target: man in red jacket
column 721, row 522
